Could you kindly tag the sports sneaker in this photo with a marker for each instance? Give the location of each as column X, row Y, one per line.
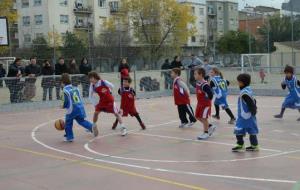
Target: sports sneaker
column 252, row 148
column 183, row 125
column 115, row 125
column 204, row 136
column 123, row 131
column 143, row 126
column 279, row 116
column 68, row 140
column 95, row 130
column 216, row 117
column 191, row 124
column 211, row 130
column 238, row 148
column 232, row 121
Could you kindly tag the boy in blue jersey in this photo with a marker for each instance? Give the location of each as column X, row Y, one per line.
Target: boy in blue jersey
column 292, row 100
column 73, row 103
column 246, row 121
column 220, row 88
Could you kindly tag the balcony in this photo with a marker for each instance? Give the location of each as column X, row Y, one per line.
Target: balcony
column 114, row 7
column 83, row 26
column 81, row 9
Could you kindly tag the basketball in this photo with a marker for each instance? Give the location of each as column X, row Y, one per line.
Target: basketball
column 59, row 125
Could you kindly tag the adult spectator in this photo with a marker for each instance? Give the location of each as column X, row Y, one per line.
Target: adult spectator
column 31, row 71
column 2, row 75
column 176, row 63
column 195, row 62
column 14, row 84
column 48, row 82
column 124, row 69
column 167, row 74
column 60, row 68
column 207, row 68
column 74, row 71
column 84, row 69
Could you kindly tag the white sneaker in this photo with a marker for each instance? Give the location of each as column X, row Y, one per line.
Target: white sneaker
column 95, row 130
column 123, row 131
column 204, row 136
column 183, row 125
column 68, row 140
column 191, row 124
column 211, row 130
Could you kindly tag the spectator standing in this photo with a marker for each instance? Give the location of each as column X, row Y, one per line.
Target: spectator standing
column 124, row 70
column 207, row 67
column 176, row 63
column 84, row 69
column 48, row 82
column 14, row 84
column 32, row 71
column 74, row 71
column 167, row 74
column 2, row 75
column 195, row 62
column 60, row 68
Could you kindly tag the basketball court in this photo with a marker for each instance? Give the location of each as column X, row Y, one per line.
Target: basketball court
column 34, row 156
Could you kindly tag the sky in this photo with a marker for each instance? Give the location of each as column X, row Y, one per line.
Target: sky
column 270, row 3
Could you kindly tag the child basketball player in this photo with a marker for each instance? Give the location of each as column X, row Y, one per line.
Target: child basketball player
column 106, row 100
column 204, row 96
column 75, row 109
column 246, row 121
column 292, row 100
column 181, row 95
column 219, row 86
column 128, row 103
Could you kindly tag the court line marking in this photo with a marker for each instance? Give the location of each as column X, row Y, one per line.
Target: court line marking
column 33, row 136
column 113, row 169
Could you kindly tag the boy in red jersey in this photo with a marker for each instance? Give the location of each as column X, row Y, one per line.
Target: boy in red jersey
column 204, row 97
column 106, row 100
column 128, row 103
column 181, row 95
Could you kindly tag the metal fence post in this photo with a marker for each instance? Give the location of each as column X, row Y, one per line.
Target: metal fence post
column 135, row 82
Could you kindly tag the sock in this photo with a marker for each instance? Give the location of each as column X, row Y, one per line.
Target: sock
column 240, row 140
column 253, row 140
column 282, row 111
column 210, row 125
column 137, row 116
column 229, row 112
column 217, row 110
column 205, row 131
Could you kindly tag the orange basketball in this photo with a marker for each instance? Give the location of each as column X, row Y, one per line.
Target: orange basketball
column 59, row 124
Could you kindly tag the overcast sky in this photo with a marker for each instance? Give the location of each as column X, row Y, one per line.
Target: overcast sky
column 271, row 3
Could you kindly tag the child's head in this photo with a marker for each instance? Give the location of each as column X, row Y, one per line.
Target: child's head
column 127, row 81
column 215, row 72
column 199, row 74
column 244, row 80
column 94, row 77
column 289, row 71
column 65, row 79
column 176, row 72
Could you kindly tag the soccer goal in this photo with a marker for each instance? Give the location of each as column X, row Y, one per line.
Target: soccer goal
column 6, row 61
column 255, row 62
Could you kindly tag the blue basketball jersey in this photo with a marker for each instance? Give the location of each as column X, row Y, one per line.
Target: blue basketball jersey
column 221, row 88
column 293, row 86
column 73, row 102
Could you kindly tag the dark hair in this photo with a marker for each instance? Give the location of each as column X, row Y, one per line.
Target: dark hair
column 17, row 59
column 201, row 71
column 205, row 60
column 177, row 71
column 217, row 71
column 244, row 78
column 175, row 57
column 65, row 79
column 192, row 55
column 128, row 79
column 33, row 57
column 94, row 75
column 289, row 69
column 60, row 58
column 84, row 58
column 123, row 59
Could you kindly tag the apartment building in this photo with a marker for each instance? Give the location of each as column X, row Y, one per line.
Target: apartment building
column 41, row 17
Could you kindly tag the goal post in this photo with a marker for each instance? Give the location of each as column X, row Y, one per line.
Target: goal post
column 255, row 61
column 6, row 61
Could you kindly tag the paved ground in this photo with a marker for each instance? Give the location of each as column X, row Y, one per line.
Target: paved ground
column 33, row 156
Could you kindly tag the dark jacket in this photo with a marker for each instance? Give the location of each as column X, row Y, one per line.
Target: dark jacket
column 2, row 72
column 85, row 68
column 33, row 69
column 73, row 70
column 47, row 81
column 60, row 69
column 14, row 69
column 176, row 64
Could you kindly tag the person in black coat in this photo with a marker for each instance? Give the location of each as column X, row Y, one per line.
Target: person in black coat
column 48, row 82
column 60, row 68
column 167, row 74
column 13, row 82
column 2, row 74
column 84, row 69
column 176, row 63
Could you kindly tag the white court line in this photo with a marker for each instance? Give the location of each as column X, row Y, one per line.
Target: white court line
column 33, row 136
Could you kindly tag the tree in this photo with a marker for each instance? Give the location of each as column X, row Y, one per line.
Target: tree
column 41, row 48
column 6, row 9
column 73, row 46
column 157, row 24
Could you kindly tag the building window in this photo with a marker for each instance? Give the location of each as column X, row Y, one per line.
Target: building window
column 193, row 39
column 114, row 6
column 38, row 19
column 102, row 3
column 26, row 20
column 201, row 25
column 39, row 35
column 37, row 2
column 193, row 10
column 63, row 2
column 27, row 38
column 201, row 11
column 25, row 3
column 220, row 8
column 232, row 21
column 64, row 19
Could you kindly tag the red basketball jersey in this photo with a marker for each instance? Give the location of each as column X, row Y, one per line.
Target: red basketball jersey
column 104, row 93
column 128, row 101
column 201, row 95
column 181, row 97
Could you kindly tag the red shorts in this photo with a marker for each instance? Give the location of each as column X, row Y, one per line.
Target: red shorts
column 107, row 108
column 132, row 112
column 203, row 111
